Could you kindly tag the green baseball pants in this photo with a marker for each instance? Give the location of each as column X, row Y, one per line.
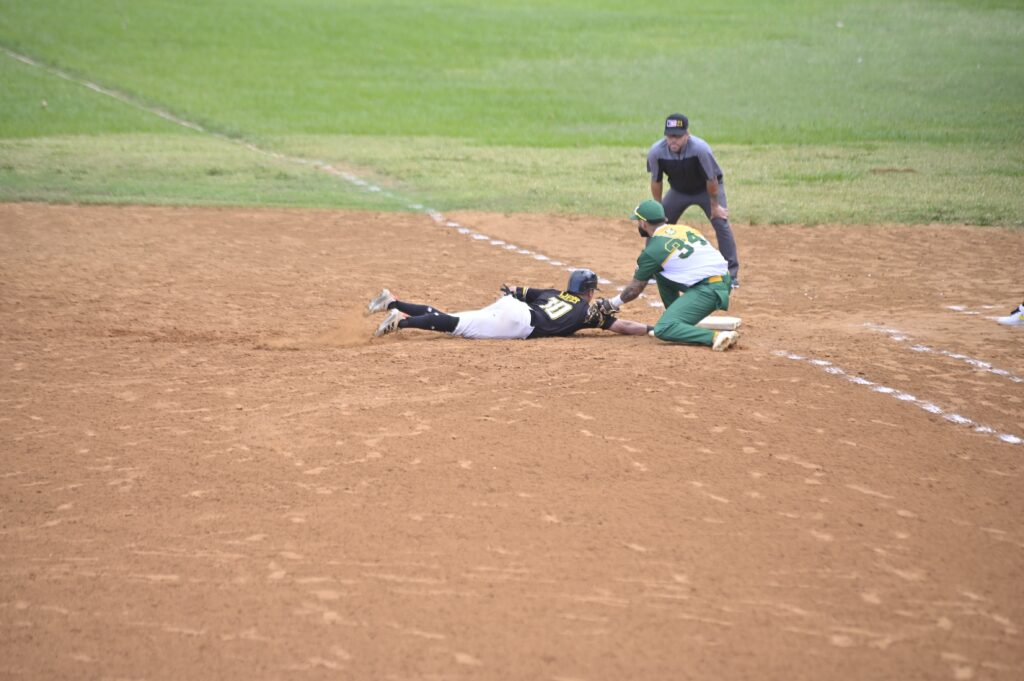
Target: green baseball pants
column 684, row 308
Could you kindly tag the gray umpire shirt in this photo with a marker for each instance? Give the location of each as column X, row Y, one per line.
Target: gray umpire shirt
column 689, row 170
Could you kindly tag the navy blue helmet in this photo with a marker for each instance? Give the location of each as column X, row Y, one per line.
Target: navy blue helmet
column 582, row 281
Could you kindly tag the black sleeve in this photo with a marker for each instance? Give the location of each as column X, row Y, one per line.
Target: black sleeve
column 519, row 292
column 532, row 295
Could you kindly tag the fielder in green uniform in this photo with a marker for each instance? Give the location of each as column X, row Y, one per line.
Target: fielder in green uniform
column 692, row 277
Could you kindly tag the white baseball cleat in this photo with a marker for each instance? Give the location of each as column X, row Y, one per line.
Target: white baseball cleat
column 1015, row 318
column 380, row 303
column 389, row 325
column 724, row 340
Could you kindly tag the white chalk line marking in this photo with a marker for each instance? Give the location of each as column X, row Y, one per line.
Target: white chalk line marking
column 435, row 215
column 930, row 407
column 901, row 337
column 963, row 309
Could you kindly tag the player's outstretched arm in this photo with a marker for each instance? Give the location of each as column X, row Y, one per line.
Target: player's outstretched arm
column 518, row 292
column 628, row 327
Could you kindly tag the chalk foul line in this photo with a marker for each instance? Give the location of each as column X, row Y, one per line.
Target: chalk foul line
column 901, row 337
column 930, row 407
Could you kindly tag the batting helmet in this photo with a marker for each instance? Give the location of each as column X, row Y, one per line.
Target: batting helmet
column 582, row 281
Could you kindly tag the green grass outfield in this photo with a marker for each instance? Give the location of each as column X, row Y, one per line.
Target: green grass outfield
column 867, row 111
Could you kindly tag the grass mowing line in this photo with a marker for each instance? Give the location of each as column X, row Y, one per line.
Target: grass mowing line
column 177, row 120
column 551, row 103
column 106, row 91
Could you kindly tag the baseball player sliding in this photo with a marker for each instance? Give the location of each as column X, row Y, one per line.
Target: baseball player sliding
column 519, row 314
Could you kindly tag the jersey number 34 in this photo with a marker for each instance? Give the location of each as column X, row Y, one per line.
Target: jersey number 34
column 684, row 249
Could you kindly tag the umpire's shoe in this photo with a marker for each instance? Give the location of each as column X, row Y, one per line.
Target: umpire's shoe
column 380, row 303
column 390, row 324
column 724, row 340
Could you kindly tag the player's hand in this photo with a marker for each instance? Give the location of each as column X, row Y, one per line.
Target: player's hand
column 606, row 307
column 719, row 212
column 507, row 290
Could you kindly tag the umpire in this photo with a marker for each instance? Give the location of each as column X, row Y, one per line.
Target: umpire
column 694, row 179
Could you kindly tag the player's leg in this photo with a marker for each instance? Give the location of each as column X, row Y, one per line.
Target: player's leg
column 1015, row 318
column 412, row 309
column 679, row 323
column 403, row 315
column 430, row 321
column 668, row 290
column 506, row 318
column 674, row 204
column 723, row 232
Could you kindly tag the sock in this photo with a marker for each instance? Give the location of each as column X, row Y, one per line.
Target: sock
column 430, row 321
column 412, row 309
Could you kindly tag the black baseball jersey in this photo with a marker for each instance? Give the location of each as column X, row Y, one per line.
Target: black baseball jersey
column 560, row 313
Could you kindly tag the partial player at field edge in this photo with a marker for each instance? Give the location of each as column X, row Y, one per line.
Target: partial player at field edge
column 1015, row 318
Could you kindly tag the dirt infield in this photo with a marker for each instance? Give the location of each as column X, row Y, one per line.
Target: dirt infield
column 211, row 471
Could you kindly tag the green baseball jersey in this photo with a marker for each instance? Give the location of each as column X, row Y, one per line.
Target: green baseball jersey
column 681, row 254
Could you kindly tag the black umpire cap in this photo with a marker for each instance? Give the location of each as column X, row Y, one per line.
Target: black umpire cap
column 677, row 125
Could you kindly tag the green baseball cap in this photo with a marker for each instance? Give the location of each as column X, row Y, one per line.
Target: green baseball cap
column 649, row 210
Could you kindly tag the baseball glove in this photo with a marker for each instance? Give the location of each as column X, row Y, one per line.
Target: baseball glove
column 597, row 318
column 605, row 306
